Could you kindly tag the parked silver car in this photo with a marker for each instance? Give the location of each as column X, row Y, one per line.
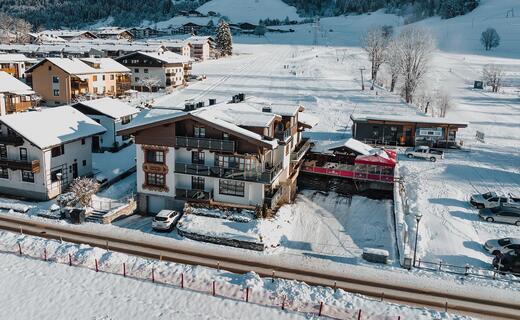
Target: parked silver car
column 492, row 199
column 504, row 245
column 501, row 214
column 165, row 220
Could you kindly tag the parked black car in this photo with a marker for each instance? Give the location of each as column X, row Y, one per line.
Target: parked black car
column 507, row 262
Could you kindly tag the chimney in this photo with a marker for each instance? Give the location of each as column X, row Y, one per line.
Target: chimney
column 241, row 97
column 267, row 109
column 212, row 102
column 188, row 106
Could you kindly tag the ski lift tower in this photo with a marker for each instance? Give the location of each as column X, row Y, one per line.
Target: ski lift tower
column 316, row 27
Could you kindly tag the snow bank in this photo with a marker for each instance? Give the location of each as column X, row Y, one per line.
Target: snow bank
column 18, row 207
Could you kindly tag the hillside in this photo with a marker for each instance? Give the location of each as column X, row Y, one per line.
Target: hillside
column 250, row 10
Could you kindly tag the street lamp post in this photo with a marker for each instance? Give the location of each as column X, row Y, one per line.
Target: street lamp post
column 417, row 219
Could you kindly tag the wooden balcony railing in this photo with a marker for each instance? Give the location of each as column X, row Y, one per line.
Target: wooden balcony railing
column 300, row 150
column 33, row 166
column 11, row 140
column 266, row 176
column 205, row 143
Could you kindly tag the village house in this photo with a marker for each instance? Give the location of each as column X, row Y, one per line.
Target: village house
column 15, row 64
column 406, row 130
column 179, row 47
column 146, row 32
column 42, row 152
column 201, row 47
column 15, row 96
column 189, row 28
column 246, row 153
column 154, row 70
column 112, row 114
column 62, row 80
column 60, row 36
column 114, row 33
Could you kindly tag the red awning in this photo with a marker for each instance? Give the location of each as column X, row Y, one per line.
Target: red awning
column 391, row 153
column 375, row 160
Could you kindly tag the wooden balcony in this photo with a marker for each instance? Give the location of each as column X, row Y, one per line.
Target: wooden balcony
column 18, row 106
column 300, row 150
column 283, row 136
column 11, row 140
column 33, row 166
column 266, row 176
column 11, row 71
column 205, row 143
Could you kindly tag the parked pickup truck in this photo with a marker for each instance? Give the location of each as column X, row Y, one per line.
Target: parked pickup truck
column 492, row 200
column 425, row 153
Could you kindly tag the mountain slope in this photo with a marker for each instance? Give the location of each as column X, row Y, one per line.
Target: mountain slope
column 250, row 10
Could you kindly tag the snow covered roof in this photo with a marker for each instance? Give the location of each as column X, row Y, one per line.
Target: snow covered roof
column 166, row 56
column 241, row 114
column 53, row 126
column 14, row 57
column 418, row 119
column 354, row 145
column 64, row 33
column 307, row 120
column 199, row 39
column 80, row 66
column 9, row 84
column 114, row 108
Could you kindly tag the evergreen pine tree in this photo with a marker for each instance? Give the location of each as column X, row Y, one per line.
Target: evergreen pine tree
column 223, row 39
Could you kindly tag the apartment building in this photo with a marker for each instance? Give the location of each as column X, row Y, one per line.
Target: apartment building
column 15, row 96
column 41, row 152
column 201, row 47
column 244, row 154
column 15, row 64
column 154, row 70
column 62, row 80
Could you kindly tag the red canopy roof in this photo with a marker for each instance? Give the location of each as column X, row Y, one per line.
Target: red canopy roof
column 375, row 160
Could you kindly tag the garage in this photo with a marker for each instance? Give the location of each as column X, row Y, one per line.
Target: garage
column 155, row 204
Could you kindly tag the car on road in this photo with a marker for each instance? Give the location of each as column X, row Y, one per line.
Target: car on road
column 509, row 262
column 504, row 245
column 424, row 152
column 492, row 199
column 165, row 220
column 501, row 214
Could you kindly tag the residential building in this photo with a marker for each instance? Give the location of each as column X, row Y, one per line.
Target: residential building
column 62, row 80
column 179, row 47
column 201, row 47
column 189, row 28
column 60, row 36
column 42, row 152
column 406, row 130
column 146, row 32
column 15, row 96
column 114, row 33
column 241, row 154
column 15, row 64
column 112, row 114
column 154, row 70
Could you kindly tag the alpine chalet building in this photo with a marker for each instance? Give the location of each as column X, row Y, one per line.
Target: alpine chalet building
column 243, row 154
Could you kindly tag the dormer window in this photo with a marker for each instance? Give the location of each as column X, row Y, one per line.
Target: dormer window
column 199, row 132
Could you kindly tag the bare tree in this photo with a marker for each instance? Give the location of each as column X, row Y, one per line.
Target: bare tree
column 492, row 76
column 149, row 83
column 83, row 189
column 415, row 51
column 374, row 42
column 13, row 29
column 392, row 59
column 490, row 39
column 444, row 103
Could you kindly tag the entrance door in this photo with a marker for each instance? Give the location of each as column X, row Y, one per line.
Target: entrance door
column 74, row 170
column 407, row 137
column 95, row 144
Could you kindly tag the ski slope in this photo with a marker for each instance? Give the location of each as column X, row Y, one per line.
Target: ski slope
column 250, row 10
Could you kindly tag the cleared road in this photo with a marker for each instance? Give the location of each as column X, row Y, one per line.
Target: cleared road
column 390, row 291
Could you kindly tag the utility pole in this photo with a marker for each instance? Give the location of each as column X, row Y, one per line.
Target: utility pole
column 362, row 80
column 316, row 27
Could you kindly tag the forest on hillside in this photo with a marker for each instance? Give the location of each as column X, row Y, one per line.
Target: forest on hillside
column 76, row 13
column 414, row 9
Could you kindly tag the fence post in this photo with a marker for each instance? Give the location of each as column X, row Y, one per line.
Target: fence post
column 19, row 248
column 182, row 280
column 272, row 278
column 70, row 260
column 97, row 267
column 124, row 269
column 321, row 309
column 382, row 296
column 446, row 307
column 440, row 265
column 153, row 274
column 466, row 272
column 247, row 294
column 218, row 265
column 21, row 230
column 214, row 288
column 283, row 303
column 45, row 254
column 335, row 286
column 359, row 315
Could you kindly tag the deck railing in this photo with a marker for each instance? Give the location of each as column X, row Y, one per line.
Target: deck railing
column 265, row 176
column 205, row 143
column 300, row 150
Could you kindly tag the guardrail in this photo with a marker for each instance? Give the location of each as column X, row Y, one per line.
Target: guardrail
column 205, row 143
column 301, row 150
column 265, row 176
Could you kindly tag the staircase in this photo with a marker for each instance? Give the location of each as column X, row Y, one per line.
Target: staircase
column 96, row 217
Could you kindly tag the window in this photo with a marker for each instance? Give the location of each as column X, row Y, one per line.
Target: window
column 4, row 173
column 155, row 179
column 232, row 188
column 223, row 161
column 197, row 157
column 112, row 77
column 27, row 176
column 50, row 68
column 83, row 141
column 56, row 92
column 112, row 89
column 3, row 151
column 55, row 79
column 136, row 79
column 145, row 70
column 225, row 136
column 155, row 156
column 94, row 78
column 103, row 77
column 56, row 175
column 84, row 163
column 197, row 183
column 136, row 70
column 199, row 132
column 23, row 154
column 57, row 151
